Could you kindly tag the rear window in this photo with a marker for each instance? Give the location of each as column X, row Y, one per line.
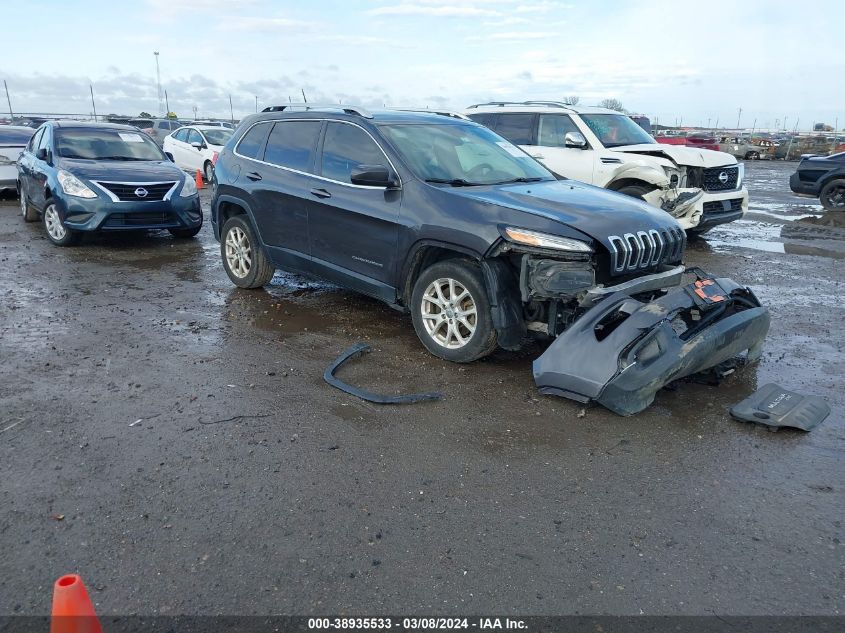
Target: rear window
column 292, row 144
column 218, row 137
column 15, row 136
column 253, row 140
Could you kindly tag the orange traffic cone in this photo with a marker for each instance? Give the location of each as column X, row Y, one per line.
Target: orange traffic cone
column 198, row 178
column 72, row 608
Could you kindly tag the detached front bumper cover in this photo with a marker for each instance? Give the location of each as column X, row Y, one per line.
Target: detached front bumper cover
column 622, row 351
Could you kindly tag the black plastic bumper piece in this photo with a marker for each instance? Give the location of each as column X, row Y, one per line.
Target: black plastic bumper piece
column 622, row 351
column 357, row 350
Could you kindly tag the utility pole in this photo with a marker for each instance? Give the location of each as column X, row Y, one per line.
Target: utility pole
column 231, row 109
column 166, row 104
column 304, row 100
column 256, row 103
column 717, row 123
column 158, row 81
column 738, row 116
column 195, row 113
column 708, row 123
column 91, row 87
column 9, row 101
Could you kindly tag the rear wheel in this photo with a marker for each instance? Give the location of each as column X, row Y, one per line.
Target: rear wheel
column 451, row 311
column 57, row 232
column 27, row 211
column 752, row 156
column 244, row 258
column 832, row 195
column 208, row 171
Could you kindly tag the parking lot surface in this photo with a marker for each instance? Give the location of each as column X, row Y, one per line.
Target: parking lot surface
column 170, row 437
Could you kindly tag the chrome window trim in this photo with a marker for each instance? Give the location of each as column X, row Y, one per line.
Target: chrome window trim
column 306, row 173
column 114, row 198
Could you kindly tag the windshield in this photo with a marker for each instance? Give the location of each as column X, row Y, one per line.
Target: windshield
column 462, row 155
column 218, row 136
column 615, row 130
column 106, row 144
column 15, row 135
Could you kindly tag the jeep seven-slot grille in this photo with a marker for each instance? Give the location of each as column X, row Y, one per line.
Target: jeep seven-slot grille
column 138, row 192
column 635, row 252
column 720, row 178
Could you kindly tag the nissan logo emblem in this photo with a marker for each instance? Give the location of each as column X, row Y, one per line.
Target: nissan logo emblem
column 723, row 177
column 142, row 193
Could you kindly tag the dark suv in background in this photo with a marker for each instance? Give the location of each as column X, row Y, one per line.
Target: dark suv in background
column 442, row 217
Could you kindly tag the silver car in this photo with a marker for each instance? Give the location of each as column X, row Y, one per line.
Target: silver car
column 13, row 140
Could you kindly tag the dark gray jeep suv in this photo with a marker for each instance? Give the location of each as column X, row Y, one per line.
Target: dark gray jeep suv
column 440, row 216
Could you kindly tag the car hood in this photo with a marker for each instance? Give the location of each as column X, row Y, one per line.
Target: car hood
column 593, row 211
column 122, row 171
column 681, row 155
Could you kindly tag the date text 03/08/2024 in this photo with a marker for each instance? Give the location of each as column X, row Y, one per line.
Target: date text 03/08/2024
column 423, row 623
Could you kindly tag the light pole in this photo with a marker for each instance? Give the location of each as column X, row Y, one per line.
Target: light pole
column 158, row 81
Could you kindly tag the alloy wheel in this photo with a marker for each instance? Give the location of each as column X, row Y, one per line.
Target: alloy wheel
column 54, row 223
column 238, row 252
column 449, row 313
column 836, row 197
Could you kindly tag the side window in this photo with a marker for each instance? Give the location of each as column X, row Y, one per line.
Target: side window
column 180, row 135
column 194, row 137
column 345, row 147
column 44, row 141
column 251, row 143
column 487, row 120
column 553, row 129
column 292, row 144
column 163, row 125
column 174, row 125
column 517, row 128
column 35, row 140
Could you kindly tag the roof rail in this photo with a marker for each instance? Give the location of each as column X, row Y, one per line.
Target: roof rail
column 448, row 113
column 348, row 109
column 548, row 104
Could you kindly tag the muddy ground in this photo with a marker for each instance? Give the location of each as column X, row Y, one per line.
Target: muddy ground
column 250, row 486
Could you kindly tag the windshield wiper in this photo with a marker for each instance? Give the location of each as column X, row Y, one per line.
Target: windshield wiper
column 119, row 158
column 455, row 182
column 520, row 179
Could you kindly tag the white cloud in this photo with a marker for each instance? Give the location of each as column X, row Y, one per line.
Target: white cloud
column 431, row 10
column 249, row 23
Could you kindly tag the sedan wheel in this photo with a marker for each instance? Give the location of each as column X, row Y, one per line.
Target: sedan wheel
column 56, row 230
column 209, row 172
column 29, row 214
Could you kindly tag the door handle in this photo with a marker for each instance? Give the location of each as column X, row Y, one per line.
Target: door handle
column 254, row 175
column 321, row 193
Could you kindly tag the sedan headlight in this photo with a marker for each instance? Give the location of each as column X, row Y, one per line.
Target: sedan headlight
column 543, row 240
column 189, row 188
column 73, row 186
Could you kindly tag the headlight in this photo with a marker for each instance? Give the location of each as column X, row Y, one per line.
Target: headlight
column 189, row 188
column 542, row 240
column 73, row 186
column 740, row 175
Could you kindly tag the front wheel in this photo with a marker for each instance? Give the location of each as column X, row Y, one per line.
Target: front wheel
column 635, row 191
column 244, row 258
column 832, row 195
column 208, row 171
column 451, row 311
column 57, row 232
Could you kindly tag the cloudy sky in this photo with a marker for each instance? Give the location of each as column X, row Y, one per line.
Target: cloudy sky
column 673, row 60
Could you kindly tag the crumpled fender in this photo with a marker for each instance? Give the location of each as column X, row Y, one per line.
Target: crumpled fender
column 622, row 351
column 646, row 173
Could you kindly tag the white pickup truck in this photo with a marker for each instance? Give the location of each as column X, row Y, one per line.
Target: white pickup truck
column 700, row 188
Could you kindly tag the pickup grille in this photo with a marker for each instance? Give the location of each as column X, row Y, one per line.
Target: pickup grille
column 720, row 178
column 715, row 207
column 138, row 191
column 636, row 252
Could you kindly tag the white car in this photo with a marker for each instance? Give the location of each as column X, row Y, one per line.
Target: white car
column 700, row 188
column 196, row 147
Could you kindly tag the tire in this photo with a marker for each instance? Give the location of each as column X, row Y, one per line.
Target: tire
column 57, row 233
column 27, row 211
column 832, row 195
column 635, row 191
column 244, row 258
column 208, row 171
column 438, row 326
column 185, row 233
column 752, row 156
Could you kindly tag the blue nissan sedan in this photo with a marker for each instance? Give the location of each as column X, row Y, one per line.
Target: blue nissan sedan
column 82, row 177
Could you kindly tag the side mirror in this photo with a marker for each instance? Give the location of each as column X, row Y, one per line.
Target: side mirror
column 374, row 176
column 575, row 139
column 169, row 157
column 41, row 153
column 196, row 145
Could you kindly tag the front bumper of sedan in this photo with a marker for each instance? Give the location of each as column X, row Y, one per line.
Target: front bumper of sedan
column 103, row 214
